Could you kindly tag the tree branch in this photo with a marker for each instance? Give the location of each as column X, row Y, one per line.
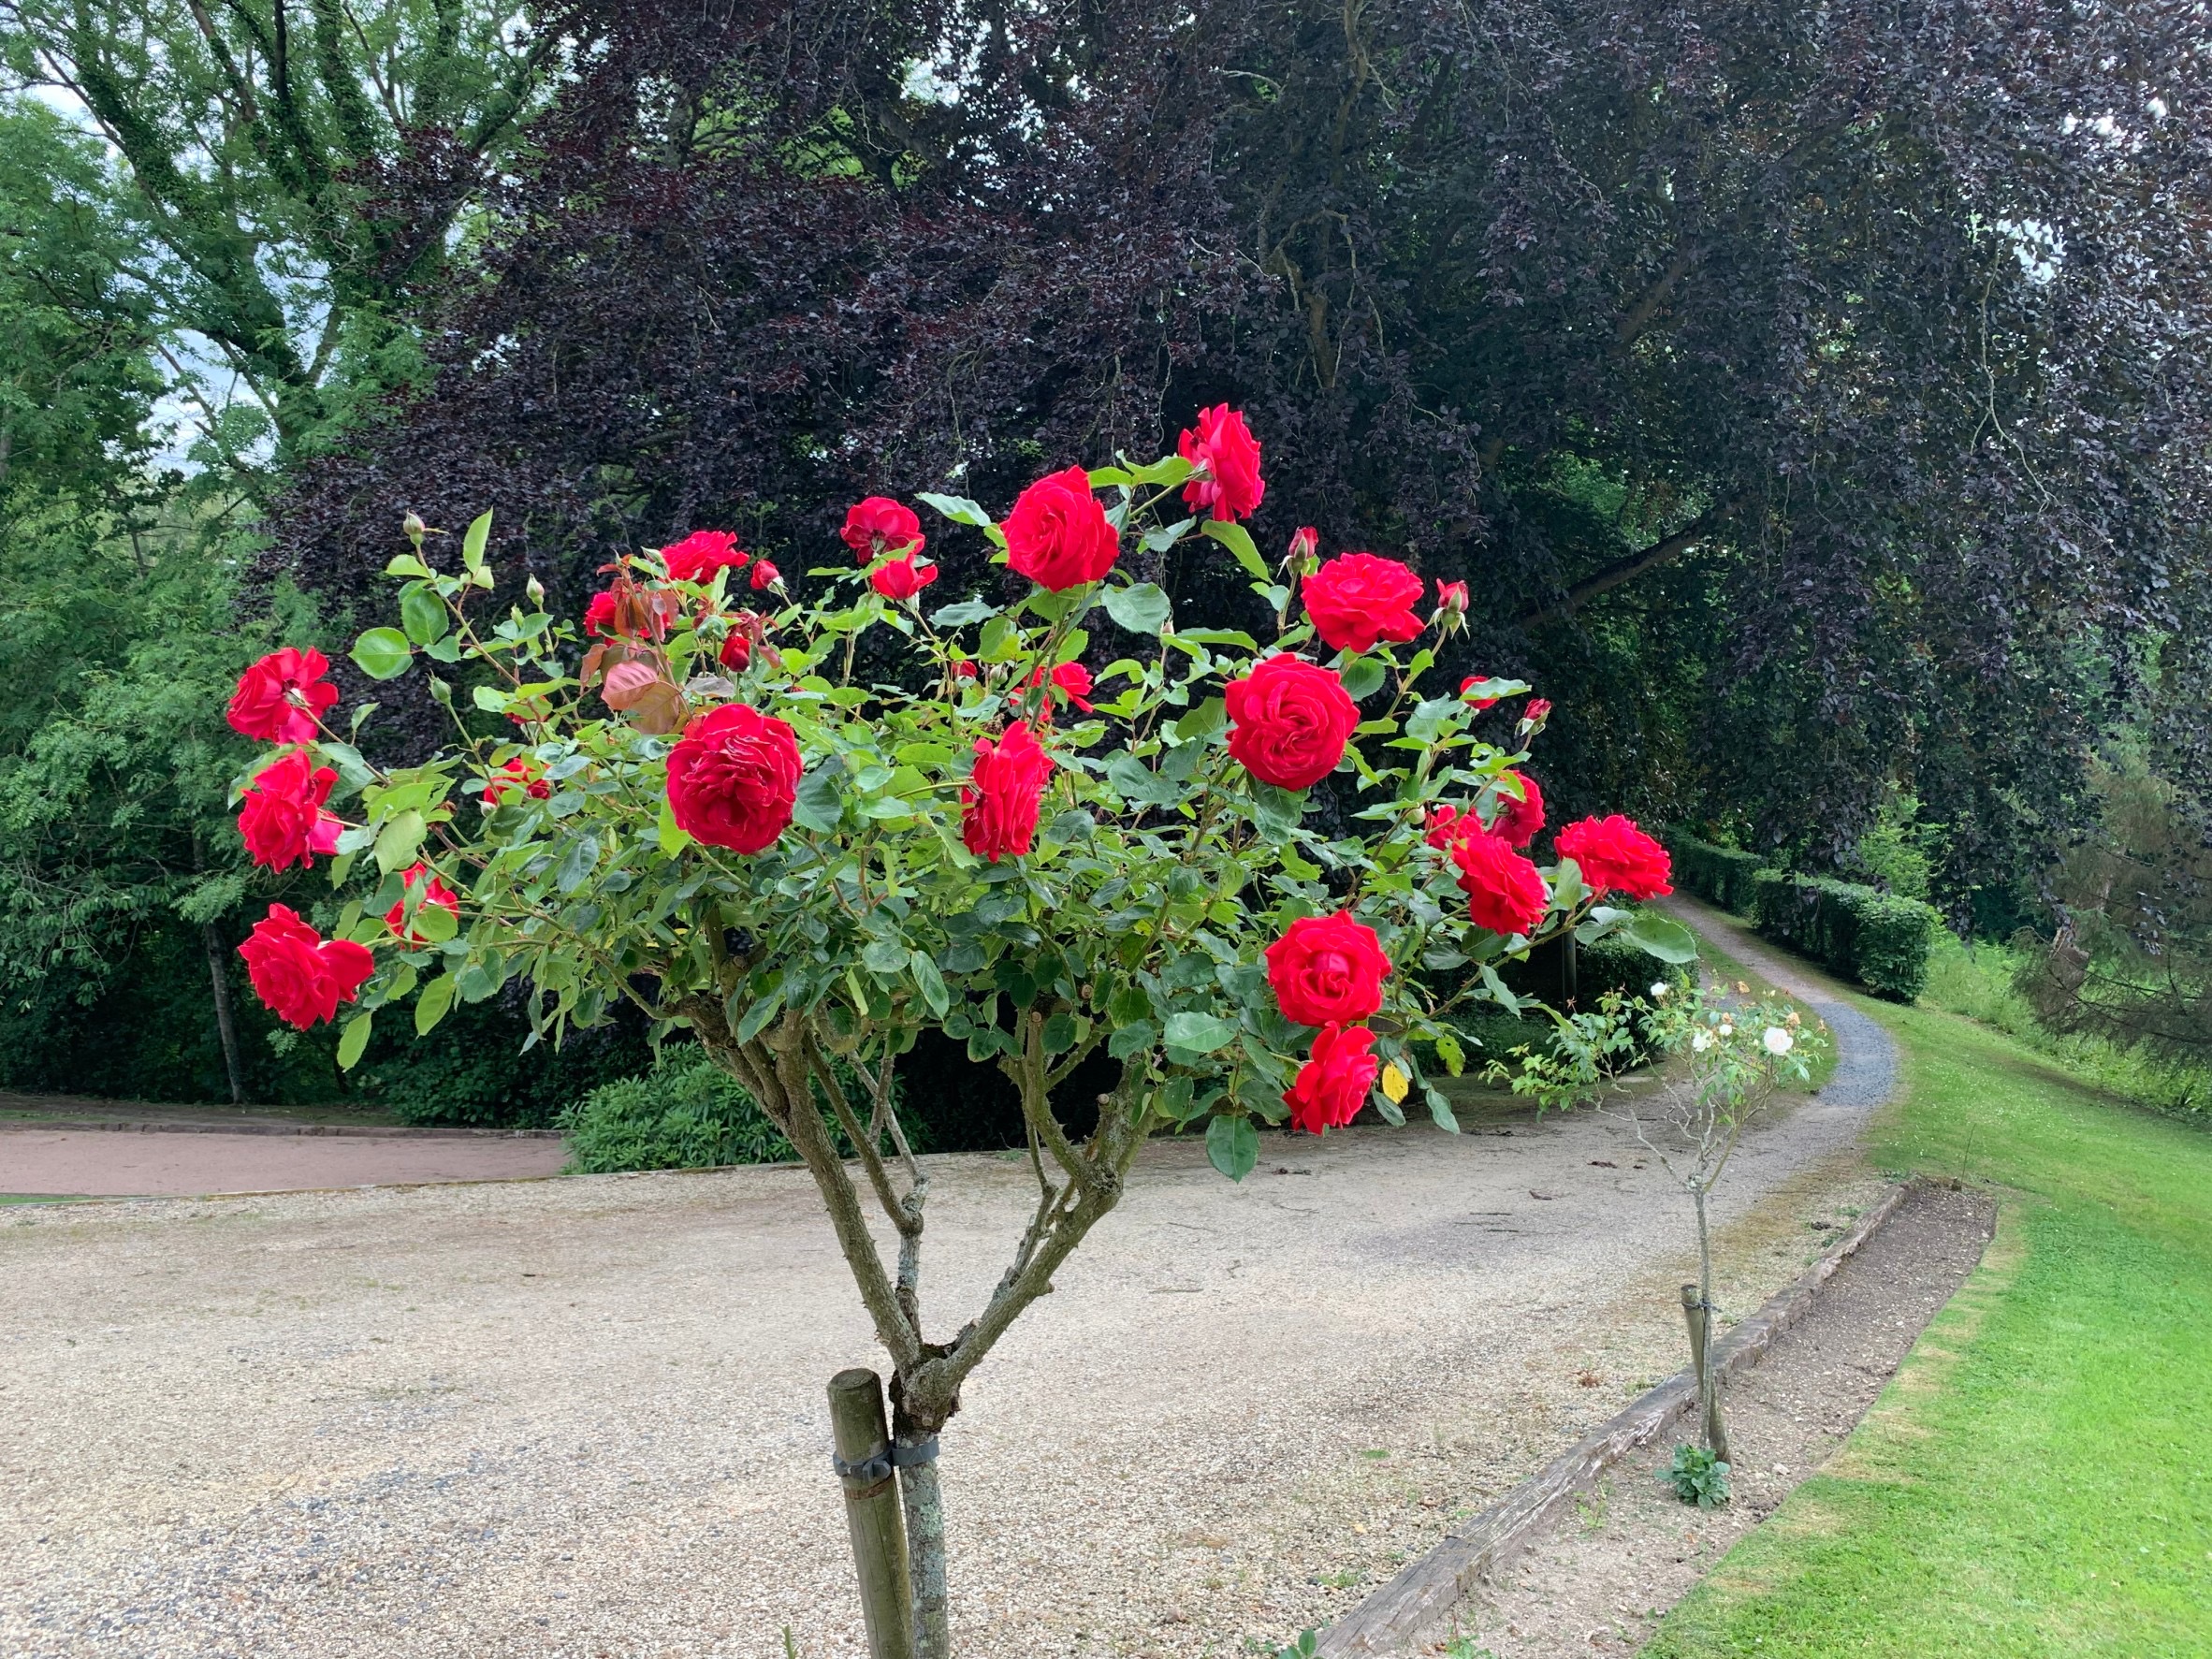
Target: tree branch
column 1624, row 570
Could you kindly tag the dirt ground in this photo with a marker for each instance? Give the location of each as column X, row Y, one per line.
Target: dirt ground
column 586, row 1416
column 110, row 1162
column 1598, row 1582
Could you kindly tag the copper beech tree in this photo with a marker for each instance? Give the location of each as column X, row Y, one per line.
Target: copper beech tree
column 691, row 803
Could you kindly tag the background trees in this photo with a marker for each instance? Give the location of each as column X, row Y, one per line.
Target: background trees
column 1809, row 396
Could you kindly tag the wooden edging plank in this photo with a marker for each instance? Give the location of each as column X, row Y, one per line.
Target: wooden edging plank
column 1427, row 1591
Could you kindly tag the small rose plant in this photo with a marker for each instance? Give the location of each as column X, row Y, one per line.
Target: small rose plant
column 1070, row 823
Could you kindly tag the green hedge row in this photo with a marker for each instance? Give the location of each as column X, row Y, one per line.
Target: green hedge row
column 1719, row 874
column 1877, row 938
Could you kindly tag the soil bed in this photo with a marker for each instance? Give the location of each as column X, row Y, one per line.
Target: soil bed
column 1598, row 1582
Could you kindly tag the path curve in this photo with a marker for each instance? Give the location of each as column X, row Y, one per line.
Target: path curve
column 510, row 1420
column 1865, row 1073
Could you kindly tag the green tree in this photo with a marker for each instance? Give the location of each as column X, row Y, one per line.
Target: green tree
column 295, row 171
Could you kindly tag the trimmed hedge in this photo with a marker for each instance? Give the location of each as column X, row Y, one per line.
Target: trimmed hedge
column 1719, row 874
column 1877, row 938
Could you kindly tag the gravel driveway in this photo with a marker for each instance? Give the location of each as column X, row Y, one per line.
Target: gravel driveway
column 586, row 1416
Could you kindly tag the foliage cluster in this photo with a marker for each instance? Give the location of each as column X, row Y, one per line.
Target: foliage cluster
column 1698, row 1476
column 1878, row 939
column 1722, row 874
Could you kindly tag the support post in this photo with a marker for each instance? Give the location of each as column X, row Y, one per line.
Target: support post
column 872, row 1512
column 1698, row 1318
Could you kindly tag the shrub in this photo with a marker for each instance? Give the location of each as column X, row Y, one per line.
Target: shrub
column 1719, row 873
column 685, row 1113
column 1698, row 1476
column 1877, row 938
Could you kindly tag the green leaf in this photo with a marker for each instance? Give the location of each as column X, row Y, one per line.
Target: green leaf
column 1566, row 884
column 1363, row 676
column 434, row 925
column 353, row 1041
column 1142, row 607
column 1132, row 1038
column 489, row 698
column 472, row 543
column 1440, row 1109
column 1201, row 1033
column 1164, row 473
column 1129, row 1004
column 757, row 1017
column 932, row 983
column 1430, row 719
column 382, row 653
column 671, row 835
column 884, row 956
column 429, row 1007
column 1498, row 992
column 1060, row 1034
column 1133, row 780
column 479, row 979
column 399, row 840
column 958, row 508
column 407, row 564
column 1238, row 540
column 1203, row 722
column 1232, row 1147
column 1655, row 935
column 422, row 613
column 1160, row 541
column 821, row 799
column 964, row 613
column 1449, row 1052
column 578, row 859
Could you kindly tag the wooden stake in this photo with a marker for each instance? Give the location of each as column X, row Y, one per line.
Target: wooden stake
column 1698, row 1318
column 872, row 1513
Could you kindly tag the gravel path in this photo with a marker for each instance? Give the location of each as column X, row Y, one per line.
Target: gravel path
column 585, row 1417
column 105, row 1162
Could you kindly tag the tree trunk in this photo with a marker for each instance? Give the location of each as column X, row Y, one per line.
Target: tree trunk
column 923, row 1498
column 1708, row 1388
column 217, row 961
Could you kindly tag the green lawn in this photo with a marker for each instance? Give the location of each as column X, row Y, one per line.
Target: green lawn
column 2038, row 1477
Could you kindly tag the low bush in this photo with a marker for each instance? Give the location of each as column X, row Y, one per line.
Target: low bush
column 1878, row 939
column 685, row 1113
column 1720, row 875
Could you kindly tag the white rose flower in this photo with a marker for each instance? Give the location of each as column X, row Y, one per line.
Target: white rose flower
column 1660, row 989
column 1727, row 1029
column 1700, row 1041
column 1777, row 1040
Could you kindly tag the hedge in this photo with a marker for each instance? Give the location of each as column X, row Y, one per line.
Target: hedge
column 1719, row 873
column 1875, row 938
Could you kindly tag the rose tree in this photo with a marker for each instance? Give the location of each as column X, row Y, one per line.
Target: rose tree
column 695, row 806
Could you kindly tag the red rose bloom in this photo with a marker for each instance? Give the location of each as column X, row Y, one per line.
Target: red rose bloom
column 437, row 893
column 1332, row 1085
column 1356, row 599
column 1289, row 721
column 1469, row 684
column 1057, row 534
column 1517, row 821
column 1615, row 857
column 964, row 669
column 301, row 975
column 699, row 555
column 879, row 526
column 1071, row 684
column 734, row 776
column 283, row 818
column 901, row 578
column 599, row 616
column 1537, row 713
column 1452, row 596
column 281, row 697
column 1505, row 894
column 765, row 575
column 1327, row 970
column 737, row 651
column 520, row 773
column 1225, row 457
column 1305, row 541
column 1447, row 824
column 1001, row 800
